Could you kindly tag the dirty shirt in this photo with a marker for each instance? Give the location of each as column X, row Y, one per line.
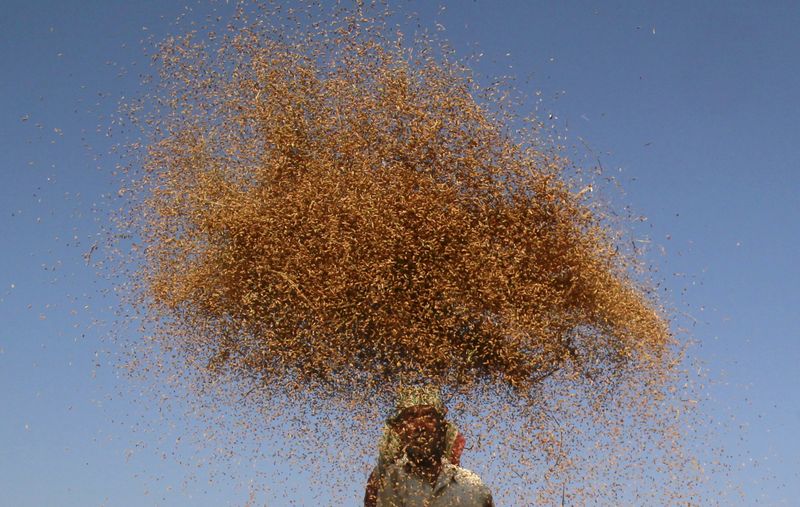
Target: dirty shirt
column 455, row 487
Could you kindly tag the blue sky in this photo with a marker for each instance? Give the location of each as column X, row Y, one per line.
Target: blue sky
column 691, row 105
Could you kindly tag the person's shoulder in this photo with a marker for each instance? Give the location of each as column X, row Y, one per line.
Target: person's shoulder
column 469, row 480
column 464, row 476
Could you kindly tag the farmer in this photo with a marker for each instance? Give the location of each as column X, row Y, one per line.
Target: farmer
column 419, row 420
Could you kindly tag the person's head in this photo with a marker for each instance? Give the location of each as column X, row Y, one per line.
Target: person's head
column 420, row 425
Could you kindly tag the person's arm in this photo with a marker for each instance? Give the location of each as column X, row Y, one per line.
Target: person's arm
column 387, row 489
column 386, row 455
column 487, row 497
column 371, row 493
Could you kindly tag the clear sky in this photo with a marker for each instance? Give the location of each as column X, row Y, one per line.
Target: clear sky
column 693, row 106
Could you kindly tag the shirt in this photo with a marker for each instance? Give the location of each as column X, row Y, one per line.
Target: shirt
column 455, row 487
